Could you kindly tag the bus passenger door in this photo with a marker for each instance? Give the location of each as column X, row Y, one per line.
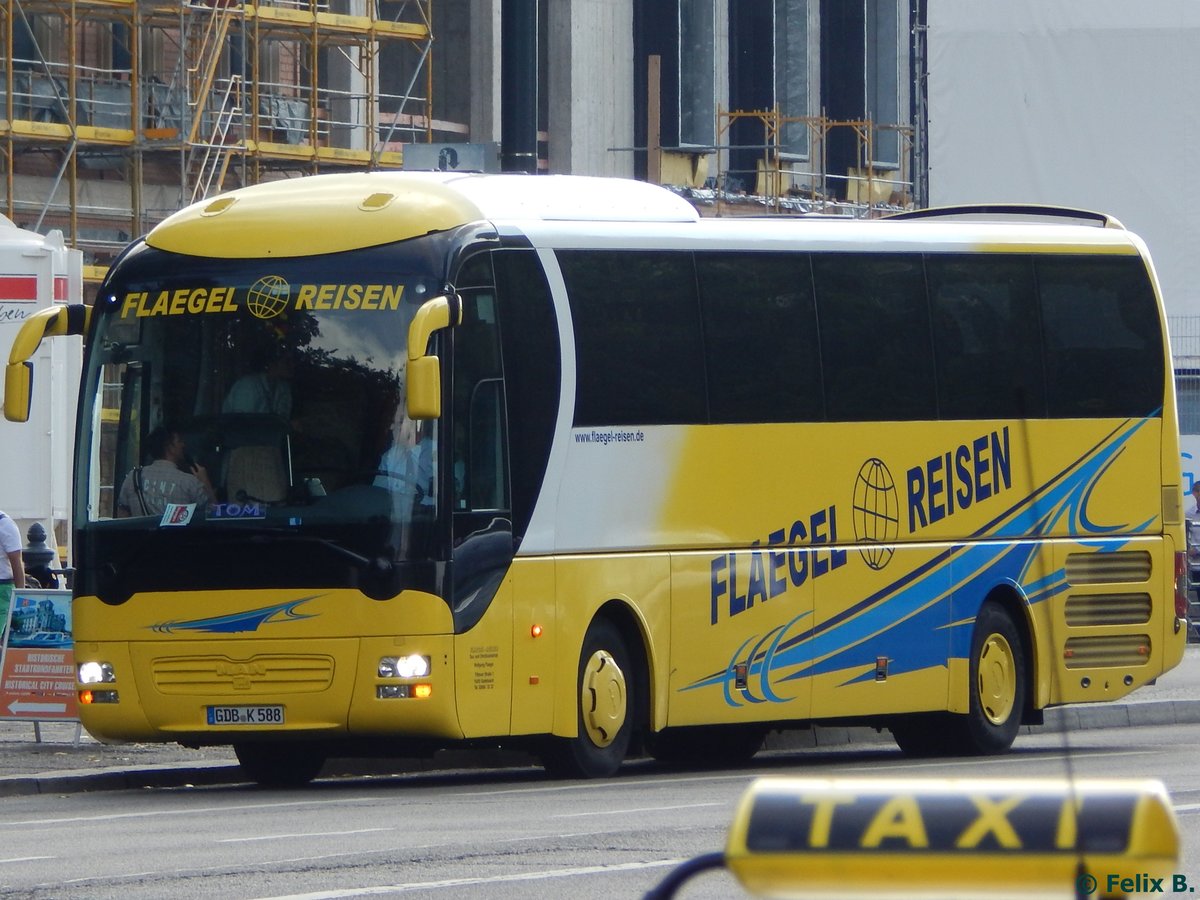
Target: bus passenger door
column 481, row 519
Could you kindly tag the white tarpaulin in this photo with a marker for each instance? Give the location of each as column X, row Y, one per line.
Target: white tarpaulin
column 1084, row 103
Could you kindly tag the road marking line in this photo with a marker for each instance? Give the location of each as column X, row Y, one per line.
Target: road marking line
column 466, row 882
column 307, row 834
column 642, row 809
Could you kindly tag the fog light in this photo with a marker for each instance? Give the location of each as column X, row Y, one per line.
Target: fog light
column 412, row 666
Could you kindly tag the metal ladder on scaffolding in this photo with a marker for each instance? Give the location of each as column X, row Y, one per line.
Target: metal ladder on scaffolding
column 214, row 156
column 208, row 149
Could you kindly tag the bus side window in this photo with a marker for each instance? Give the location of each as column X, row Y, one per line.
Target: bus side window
column 479, row 464
column 486, row 468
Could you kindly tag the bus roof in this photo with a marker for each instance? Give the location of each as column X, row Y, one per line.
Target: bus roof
column 332, row 213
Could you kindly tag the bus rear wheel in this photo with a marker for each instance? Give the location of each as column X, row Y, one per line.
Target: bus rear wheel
column 998, row 683
column 998, row 688
column 273, row 765
column 605, row 691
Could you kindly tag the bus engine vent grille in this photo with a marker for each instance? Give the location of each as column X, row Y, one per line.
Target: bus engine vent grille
column 218, row 676
column 1110, row 651
column 1107, row 609
column 1124, row 566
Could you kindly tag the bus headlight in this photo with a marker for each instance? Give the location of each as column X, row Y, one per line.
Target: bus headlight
column 96, row 673
column 412, row 666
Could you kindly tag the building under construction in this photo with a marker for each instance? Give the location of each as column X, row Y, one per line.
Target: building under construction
column 118, row 112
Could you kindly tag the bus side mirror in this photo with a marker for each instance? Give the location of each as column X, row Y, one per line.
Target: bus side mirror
column 18, row 374
column 424, row 377
column 962, row 838
column 424, row 400
column 18, row 391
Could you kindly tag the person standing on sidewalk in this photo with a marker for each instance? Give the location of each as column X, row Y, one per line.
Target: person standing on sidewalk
column 12, row 567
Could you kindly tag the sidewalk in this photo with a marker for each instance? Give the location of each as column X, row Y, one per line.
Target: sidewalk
column 67, row 760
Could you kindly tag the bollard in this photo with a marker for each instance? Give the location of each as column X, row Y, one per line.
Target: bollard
column 37, row 556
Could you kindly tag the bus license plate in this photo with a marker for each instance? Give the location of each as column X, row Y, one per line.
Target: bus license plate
column 245, row 715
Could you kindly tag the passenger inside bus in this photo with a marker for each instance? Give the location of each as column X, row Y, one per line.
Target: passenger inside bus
column 268, row 389
column 407, row 465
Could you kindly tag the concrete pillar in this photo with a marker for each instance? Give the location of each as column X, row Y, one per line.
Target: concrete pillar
column 591, row 86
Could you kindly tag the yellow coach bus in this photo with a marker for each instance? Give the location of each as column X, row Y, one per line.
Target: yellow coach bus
column 555, row 462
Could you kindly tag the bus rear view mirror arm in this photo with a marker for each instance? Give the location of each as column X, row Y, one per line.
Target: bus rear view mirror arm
column 18, row 375
column 976, row 837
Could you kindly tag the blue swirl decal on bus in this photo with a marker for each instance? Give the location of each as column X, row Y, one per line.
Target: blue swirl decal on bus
column 249, row 620
column 924, row 618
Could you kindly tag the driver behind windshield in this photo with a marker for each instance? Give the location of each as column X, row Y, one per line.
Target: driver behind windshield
column 170, row 478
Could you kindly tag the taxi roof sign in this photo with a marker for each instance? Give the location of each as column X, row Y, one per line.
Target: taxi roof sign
column 817, row 838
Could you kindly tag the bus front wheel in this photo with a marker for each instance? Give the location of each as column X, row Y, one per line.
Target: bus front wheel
column 273, row 765
column 605, row 709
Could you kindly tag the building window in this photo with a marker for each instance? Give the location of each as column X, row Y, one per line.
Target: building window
column 697, row 73
column 883, row 78
column 791, row 73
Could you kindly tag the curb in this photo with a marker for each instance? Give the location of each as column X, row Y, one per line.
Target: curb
column 1070, row 718
column 1127, row 715
column 120, row 779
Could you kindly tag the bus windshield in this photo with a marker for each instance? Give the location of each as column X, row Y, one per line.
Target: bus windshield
column 278, row 385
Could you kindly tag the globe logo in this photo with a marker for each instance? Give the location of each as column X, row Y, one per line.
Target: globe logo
column 268, row 297
column 876, row 513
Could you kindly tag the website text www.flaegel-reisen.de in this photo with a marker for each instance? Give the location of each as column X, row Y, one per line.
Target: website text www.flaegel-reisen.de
column 609, row 436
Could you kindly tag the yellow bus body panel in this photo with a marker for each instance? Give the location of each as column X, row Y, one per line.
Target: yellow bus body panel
column 315, row 653
column 861, row 600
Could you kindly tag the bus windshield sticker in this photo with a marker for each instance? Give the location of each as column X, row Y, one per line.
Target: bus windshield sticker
column 177, row 514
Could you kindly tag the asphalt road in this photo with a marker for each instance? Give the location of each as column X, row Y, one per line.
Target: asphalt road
column 514, row 834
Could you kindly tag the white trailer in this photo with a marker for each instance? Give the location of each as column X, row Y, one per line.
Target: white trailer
column 37, row 271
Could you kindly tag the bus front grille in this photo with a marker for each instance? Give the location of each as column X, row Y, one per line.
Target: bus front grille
column 1123, row 566
column 1107, row 609
column 1120, row 650
column 217, row 676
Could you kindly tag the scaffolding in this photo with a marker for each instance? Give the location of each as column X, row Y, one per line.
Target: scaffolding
column 119, row 112
column 790, row 182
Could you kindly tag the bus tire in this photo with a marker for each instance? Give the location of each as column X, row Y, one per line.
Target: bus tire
column 605, row 693
column 274, row 765
column 999, row 684
column 997, row 687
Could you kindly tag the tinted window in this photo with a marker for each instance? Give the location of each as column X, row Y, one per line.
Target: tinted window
column 875, row 343
column 529, row 338
column 760, row 337
column 986, row 337
column 1104, row 348
column 637, row 337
